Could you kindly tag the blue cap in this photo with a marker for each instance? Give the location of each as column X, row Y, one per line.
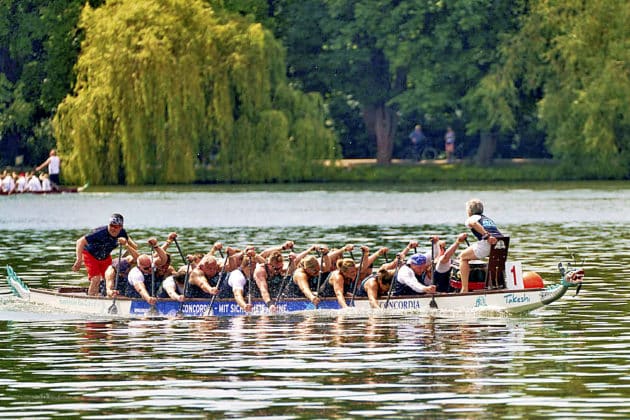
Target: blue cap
column 417, row 259
column 121, row 265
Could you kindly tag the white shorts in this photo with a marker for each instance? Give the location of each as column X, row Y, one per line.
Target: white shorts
column 481, row 249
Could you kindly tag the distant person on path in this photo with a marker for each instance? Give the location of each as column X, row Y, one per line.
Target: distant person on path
column 94, row 250
column 54, row 166
column 449, row 145
column 417, row 138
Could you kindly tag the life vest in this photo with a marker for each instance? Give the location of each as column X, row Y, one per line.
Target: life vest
column 133, row 293
column 442, row 281
column 404, row 290
column 488, row 225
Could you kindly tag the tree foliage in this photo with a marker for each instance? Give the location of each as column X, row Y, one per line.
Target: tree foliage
column 163, row 85
column 571, row 58
column 38, row 48
column 163, row 82
column 409, row 59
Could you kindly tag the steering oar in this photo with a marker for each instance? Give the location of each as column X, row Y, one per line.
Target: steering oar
column 113, row 309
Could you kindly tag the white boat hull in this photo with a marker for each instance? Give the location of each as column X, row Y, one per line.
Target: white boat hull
column 76, row 301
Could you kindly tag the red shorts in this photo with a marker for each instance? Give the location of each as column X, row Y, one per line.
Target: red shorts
column 449, row 147
column 96, row 268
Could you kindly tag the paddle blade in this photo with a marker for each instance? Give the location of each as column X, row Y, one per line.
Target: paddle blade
column 433, row 304
column 112, row 310
column 577, row 289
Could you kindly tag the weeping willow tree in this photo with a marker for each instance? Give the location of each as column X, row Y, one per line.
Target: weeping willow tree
column 162, row 82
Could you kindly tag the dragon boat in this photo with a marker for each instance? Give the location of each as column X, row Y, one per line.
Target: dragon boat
column 58, row 190
column 519, row 297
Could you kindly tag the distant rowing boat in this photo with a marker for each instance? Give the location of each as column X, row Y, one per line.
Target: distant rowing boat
column 59, row 190
column 74, row 299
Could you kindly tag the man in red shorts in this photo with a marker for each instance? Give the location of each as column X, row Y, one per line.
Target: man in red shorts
column 94, row 250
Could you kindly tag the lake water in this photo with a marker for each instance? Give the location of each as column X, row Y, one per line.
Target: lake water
column 568, row 360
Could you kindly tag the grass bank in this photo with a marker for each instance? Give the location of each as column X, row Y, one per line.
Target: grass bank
column 436, row 171
column 366, row 170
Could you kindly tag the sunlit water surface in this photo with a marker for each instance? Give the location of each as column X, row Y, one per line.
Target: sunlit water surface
column 568, row 360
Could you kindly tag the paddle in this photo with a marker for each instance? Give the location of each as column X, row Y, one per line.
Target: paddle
column 433, row 303
column 218, row 286
column 113, row 309
column 356, row 280
column 181, row 254
column 152, row 293
column 319, row 276
column 391, row 285
column 285, row 281
column 250, row 280
column 152, row 309
column 180, row 311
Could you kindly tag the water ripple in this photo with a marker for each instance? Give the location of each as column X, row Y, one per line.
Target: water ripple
column 568, row 360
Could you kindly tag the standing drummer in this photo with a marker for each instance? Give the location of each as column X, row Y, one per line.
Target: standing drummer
column 94, row 250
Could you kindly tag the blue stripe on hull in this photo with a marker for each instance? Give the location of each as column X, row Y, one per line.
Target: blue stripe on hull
column 198, row 308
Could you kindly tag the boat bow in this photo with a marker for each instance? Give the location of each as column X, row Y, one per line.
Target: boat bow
column 503, row 300
column 570, row 277
column 17, row 286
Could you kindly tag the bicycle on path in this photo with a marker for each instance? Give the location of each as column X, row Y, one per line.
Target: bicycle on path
column 428, row 152
column 425, row 152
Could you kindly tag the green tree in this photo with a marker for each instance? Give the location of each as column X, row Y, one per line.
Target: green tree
column 38, row 48
column 572, row 58
column 402, row 58
column 447, row 48
column 161, row 82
